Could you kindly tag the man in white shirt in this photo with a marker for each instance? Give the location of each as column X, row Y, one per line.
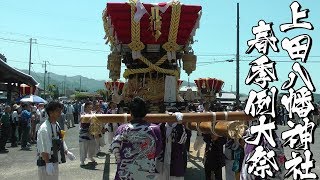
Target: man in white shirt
column 41, row 113
column 82, row 108
column 69, row 115
column 51, row 147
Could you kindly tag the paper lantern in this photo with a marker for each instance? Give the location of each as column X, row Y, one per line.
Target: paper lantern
column 189, row 63
column 27, row 90
column 179, row 82
column 206, row 85
column 111, row 85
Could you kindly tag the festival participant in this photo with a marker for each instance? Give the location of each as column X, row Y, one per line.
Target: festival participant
column 136, row 145
column 87, row 143
column 62, row 120
column 214, row 158
column 5, row 128
column 249, row 150
column 189, row 133
column 200, row 107
column 25, row 126
column 69, row 115
column 172, row 163
column 76, row 112
column 41, row 113
column 112, row 127
column 100, row 142
column 198, row 144
column 19, row 125
column 14, row 125
column 34, row 120
column 51, row 147
column 33, row 128
column 233, row 152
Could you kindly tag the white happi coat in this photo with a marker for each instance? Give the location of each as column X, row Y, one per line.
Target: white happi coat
column 44, row 144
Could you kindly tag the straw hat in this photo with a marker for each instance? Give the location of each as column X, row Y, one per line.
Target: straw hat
column 15, row 106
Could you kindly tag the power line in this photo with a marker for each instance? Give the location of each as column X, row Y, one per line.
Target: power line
column 63, row 65
column 69, row 65
column 55, row 46
column 22, row 61
column 73, row 48
column 13, row 40
column 51, row 38
column 36, row 75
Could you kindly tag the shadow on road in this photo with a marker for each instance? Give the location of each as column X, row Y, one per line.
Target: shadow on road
column 90, row 166
column 194, row 170
column 106, row 168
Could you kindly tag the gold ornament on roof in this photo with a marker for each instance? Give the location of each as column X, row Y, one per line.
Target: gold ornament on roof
column 109, row 37
column 114, row 66
column 155, row 22
column 136, row 45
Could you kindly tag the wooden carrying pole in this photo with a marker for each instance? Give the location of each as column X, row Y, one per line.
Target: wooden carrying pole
column 228, row 124
column 163, row 118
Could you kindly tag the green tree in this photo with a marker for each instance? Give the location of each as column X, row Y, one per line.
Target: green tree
column 50, row 89
column 82, row 96
column 56, row 93
column 103, row 93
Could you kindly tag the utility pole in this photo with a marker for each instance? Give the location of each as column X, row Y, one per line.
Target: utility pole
column 44, row 78
column 80, row 85
column 64, row 86
column 48, row 78
column 60, row 88
column 237, row 59
column 30, row 50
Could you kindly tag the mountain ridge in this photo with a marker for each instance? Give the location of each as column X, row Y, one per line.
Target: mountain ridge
column 72, row 82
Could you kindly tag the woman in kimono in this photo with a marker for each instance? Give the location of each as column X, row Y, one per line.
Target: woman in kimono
column 87, row 143
column 136, row 145
column 173, row 160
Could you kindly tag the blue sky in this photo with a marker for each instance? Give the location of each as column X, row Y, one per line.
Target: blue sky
column 75, row 30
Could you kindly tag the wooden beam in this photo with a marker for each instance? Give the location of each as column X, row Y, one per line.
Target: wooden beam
column 162, row 118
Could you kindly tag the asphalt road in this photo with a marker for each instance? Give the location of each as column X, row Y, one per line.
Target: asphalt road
column 21, row 165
